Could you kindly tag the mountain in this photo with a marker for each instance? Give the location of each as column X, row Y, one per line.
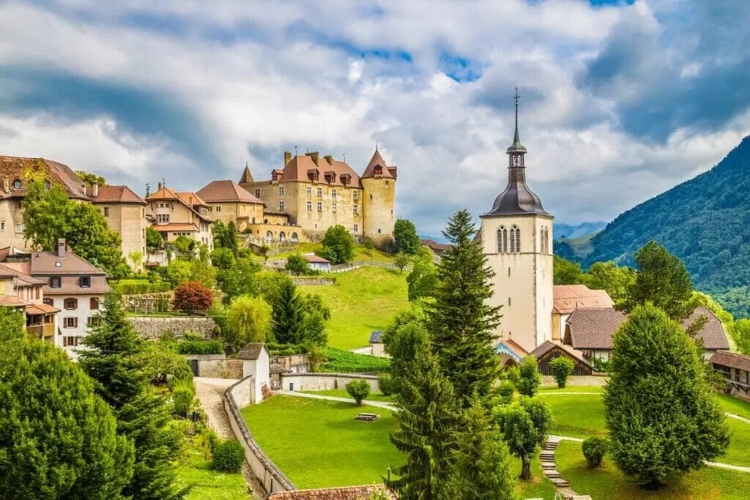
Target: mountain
column 570, row 231
column 704, row 221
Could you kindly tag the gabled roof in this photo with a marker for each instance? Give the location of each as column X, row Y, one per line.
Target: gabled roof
column 511, row 348
column 548, row 346
column 298, row 167
column 226, row 192
column 114, row 194
column 731, row 360
column 314, row 259
column 49, row 264
column 435, row 246
column 189, row 200
column 15, row 167
column 568, row 298
column 251, row 351
column 20, row 275
column 377, row 160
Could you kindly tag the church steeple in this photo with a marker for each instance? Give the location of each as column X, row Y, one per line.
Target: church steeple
column 516, row 150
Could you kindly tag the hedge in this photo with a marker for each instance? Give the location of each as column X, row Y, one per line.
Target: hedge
column 200, row 347
column 140, row 288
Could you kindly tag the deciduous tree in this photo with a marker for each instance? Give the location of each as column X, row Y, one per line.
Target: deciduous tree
column 358, row 390
column 529, row 378
column 524, row 425
column 250, row 318
column 402, row 260
column 422, row 279
column 338, row 245
column 661, row 414
column 561, row 369
column 405, row 237
column 567, row 272
column 297, row 265
column 191, row 297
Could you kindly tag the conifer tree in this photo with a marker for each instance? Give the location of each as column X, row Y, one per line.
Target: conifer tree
column 460, row 320
column 111, row 359
column 288, row 316
column 661, row 414
column 480, row 463
column 426, row 421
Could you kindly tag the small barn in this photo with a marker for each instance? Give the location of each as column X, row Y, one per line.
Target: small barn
column 316, row 262
column 736, row 370
column 548, row 351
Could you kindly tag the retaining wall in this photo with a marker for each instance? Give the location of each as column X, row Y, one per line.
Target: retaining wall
column 151, row 328
column 324, row 381
column 269, row 476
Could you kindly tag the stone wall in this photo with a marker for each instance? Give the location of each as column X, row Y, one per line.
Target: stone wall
column 151, row 328
column 323, row 381
column 314, row 280
column 212, row 365
column 268, row 475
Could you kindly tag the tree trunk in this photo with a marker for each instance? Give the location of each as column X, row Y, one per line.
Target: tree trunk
column 525, row 468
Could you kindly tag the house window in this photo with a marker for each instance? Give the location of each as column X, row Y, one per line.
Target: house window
column 94, row 303
column 355, row 209
column 320, row 192
column 309, row 192
column 502, row 239
column 378, row 230
column 106, row 211
column 70, row 341
column 320, row 206
column 47, row 185
column 20, row 228
column 54, row 282
column 257, row 193
column 370, row 196
column 70, row 322
column 93, row 321
column 71, row 304
column 218, row 209
column 356, row 228
column 508, row 301
column 85, row 282
column 333, row 194
column 309, row 206
column 355, row 195
column 17, row 184
column 162, row 218
column 333, row 207
column 295, row 238
column 49, row 302
column 282, row 236
column 281, row 190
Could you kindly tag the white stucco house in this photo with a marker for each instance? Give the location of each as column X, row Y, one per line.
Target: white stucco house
column 256, row 363
column 317, row 263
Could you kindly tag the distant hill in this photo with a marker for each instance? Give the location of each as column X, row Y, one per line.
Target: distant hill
column 570, row 231
column 704, row 221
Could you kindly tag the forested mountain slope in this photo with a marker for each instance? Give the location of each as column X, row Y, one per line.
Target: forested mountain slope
column 704, row 221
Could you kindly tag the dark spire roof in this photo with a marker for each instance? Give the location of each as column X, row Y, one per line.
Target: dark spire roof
column 247, row 177
column 517, row 199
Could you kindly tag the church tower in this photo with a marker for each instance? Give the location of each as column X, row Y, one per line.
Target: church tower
column 516, row 237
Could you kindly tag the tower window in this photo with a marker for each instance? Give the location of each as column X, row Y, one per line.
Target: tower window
column 257, row 193
column 515, row 239
column 281, row 190
column 281, row 206
column 502, row 240
column 309, row 192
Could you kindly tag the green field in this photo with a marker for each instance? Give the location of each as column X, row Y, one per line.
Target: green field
column 361, row 301
column 195, row 470
column 341, row 393
column 360, row 253
column 609, row 483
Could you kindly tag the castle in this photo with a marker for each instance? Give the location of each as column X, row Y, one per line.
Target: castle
column 312, row 193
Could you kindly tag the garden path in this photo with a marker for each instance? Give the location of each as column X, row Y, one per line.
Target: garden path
column 732, row 415
column 379, row 404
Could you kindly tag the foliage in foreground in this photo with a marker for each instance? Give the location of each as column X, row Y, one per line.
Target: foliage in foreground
column 660, row 410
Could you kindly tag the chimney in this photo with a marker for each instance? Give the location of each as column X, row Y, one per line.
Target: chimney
column 95, row 190
column 158, row 186
column 191, row 201
column 61, row 247
column 287, row 157
column 329, row 159
column 314, row 155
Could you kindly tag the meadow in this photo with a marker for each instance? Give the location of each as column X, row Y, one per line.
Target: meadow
column 194, row 470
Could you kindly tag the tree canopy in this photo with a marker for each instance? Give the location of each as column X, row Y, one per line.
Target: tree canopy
column 338, row 245
column 405, row 237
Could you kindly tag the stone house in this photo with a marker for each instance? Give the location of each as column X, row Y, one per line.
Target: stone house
column 25, row 293
column 591, row 330
column 125, row 212
column 256, row 363
column 736, row 370
column 72, row 286
column 229, row 202
column 174, row 214
column 317, row 192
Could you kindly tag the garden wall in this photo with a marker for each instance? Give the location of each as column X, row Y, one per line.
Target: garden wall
column 323, row 381
column 269, row 476
column 303, row 281
column 151, row 328
column 214, row 366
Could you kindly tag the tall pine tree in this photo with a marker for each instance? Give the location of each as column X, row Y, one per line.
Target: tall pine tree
column 110, row 358
column 427, row 417
column 460, row 320
column 288, row 315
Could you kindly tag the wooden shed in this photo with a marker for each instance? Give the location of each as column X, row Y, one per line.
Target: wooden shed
column 548, row 351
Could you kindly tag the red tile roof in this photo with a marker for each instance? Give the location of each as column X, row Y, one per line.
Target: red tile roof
column 299, row 166
column 377, row 160
column 114, row 194
column 568, row 298
column 189, row 200
column 226, row 191
column 15, row 168
column 731, row 360
column 12, row 301
column 314, row 259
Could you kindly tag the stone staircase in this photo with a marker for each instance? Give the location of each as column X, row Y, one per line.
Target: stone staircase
column 547, row 458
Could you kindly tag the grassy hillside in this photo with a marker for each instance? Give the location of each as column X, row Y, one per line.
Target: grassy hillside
column 360, row 253
column 703, row 222
column 362, row 300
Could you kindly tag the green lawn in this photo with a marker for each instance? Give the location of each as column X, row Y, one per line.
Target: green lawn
column 536, row 487
column 361, row 301
column 341, row 393
column 739, row 446
column 571, row 388
column 195, row 470
column 578, row 415
column 609, row 483
column 360, row 253
column 734, row 405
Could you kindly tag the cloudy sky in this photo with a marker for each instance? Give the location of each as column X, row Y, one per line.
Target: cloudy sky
column 620, row 100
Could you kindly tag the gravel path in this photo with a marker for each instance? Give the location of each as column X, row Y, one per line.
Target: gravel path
column 210, row 392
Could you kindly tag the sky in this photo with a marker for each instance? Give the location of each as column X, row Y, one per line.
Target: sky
column 620, row 100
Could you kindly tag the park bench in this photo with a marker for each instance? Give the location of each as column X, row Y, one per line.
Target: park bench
column 367, row 417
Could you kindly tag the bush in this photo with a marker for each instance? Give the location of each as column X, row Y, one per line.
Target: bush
column 297, row 264
column 594, row 449
column 200, row 347
column 561, row 369
column 505, row 390
column 182, row 397
column 228, row 456
column 529, row 378
column 600, row 365
column 358, row 389
column 386, row 385
column 191, row 297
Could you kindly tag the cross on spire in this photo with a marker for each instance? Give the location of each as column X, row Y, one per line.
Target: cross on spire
column 516, row 147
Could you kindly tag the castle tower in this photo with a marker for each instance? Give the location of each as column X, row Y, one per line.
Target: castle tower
column 516, row 237
column 378, row 205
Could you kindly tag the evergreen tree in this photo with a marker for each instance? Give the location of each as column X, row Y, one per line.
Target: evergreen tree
column 660, row 410
column 662, row 280
column 405, row 237
column 287, row 318
column 460, row 320
column 112, row 360
column 403, row 340
column 426, row 420
column 480, row 463
column 58, row 439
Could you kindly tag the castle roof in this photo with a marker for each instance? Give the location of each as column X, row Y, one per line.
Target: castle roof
column 247, row 177
column 303, row 168
column 385, row 171
column 226, row 191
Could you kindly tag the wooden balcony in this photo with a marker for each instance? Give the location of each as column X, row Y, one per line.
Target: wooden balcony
column 41, row 331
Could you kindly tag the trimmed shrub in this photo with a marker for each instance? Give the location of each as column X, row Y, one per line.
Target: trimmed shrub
column 228, row 456
column 594, row 449
column 182, row 397
column 529, row 378
column 199, row 347
column 561, row 369
column 386, row 385
column 358, row 390
column 505, row 390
